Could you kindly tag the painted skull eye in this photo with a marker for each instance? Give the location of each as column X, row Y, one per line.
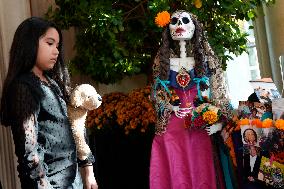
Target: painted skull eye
column 174, row 20
column 185, row 20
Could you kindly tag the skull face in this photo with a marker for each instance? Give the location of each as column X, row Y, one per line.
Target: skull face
column 181, row 26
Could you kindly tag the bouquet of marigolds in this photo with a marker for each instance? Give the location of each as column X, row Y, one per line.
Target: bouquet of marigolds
column 206, row 115
column 130, row 112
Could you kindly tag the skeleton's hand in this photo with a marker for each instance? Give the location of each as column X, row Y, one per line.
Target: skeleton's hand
column 181, row 112
column 214, row 128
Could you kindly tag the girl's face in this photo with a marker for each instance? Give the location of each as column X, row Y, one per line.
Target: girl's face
column 47, row 50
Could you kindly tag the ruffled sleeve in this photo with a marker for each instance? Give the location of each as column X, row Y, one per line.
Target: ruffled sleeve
column 24, row 111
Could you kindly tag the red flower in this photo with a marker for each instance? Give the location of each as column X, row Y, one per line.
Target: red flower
column 199, row 122
column 187, row 121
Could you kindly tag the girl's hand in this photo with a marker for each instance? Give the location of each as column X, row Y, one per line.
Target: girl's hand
column 89, row 178
column 91, row 183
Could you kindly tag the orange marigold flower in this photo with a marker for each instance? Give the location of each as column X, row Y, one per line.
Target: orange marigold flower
column 210, row 117
column 257, row 123
column 162, row 19
column 279, row 124
column 244, row 122
column 267, row 123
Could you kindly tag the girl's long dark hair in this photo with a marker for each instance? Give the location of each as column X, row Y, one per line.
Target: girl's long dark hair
column 23, row 54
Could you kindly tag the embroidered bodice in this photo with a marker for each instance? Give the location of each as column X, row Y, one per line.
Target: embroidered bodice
column 176, row 64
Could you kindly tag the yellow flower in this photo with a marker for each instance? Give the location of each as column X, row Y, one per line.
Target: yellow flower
column 267, row 123
column 162, row 19
column 210, row 117
column 279, row 124
column 198, row 3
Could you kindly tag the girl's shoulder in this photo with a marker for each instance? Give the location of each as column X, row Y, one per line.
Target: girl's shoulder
column 22, row 98
column 29, row 83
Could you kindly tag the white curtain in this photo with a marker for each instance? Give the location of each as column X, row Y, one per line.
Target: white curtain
column 11, row 14
column 269, row 31
column 8, row 175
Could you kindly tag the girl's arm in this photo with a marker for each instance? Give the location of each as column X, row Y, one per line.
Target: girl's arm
column 30, row 154
column 87, row 171
column 33, row 159
column 88, row 177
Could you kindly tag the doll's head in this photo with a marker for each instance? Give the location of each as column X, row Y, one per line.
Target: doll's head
column 181, row 26
column 85, row 96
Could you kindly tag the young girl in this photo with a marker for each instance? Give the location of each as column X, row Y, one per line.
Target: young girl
column 34, row 105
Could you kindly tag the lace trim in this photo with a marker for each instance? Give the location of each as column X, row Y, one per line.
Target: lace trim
column 89, row 160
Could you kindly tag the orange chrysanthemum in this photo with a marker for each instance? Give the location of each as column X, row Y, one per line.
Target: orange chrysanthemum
column 267, row 123
column 279, row 124
column 163, row 18
column 131, row 112
column 210, row 117
column 257, row 123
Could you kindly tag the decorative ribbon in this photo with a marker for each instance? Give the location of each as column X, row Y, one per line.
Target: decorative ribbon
column 197, row 81
column 164, row 84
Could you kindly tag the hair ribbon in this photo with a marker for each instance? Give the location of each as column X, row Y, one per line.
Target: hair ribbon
column 164, row 83
column 197, row 81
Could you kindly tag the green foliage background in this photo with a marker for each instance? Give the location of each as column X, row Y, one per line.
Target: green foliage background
column 118, row 38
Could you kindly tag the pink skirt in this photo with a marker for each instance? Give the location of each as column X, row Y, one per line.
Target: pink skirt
column 182, row 158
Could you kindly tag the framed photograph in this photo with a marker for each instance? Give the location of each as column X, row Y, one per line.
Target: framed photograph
column 278, row 108
column 265, row 90
column 254, row 110
column 250, row 135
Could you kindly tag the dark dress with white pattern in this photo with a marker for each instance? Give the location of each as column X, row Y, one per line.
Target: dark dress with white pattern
column 42, row 134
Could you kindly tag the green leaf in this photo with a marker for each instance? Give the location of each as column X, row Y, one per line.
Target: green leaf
column 118, row 38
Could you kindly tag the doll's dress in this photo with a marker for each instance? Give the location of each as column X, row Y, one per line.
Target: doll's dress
column 183, row 158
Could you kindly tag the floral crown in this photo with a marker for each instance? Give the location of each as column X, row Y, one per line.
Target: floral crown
column 163, row 19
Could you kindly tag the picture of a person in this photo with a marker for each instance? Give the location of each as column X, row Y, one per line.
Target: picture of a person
column 250, row 137
column 267, row 112
column 254, row 114
column 252, row 163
